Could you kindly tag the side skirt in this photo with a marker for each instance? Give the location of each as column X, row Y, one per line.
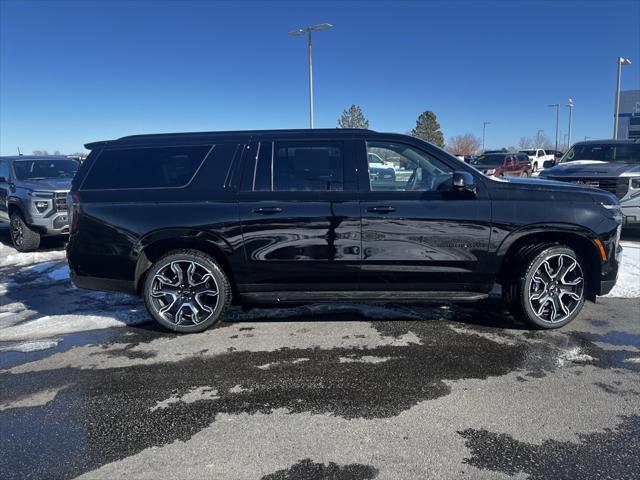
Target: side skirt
column 359, row 296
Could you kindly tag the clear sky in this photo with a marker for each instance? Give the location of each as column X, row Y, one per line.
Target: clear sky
column 78, row 71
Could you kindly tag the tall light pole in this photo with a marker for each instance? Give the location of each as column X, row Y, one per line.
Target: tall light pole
column 621, row 61
column 308, row 31
column 570, row 107
column 484, row 130
column 557, row 107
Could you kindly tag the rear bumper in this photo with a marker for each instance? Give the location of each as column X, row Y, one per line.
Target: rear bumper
column 101, row 284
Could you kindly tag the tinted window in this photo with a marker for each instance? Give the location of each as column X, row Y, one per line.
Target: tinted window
column 262, row 170
column 4, row 169
column 616, row 152
column 491, row 159
column 41, row 169
column 307, row 166
column 154, row 167
column 405, row 169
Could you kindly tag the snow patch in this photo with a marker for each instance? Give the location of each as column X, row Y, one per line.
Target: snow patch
column 633, row 360
column 573, row 355
column 628, row 284
column 37, row 399
column 11, row 257
column 54, row 325
column 193, row 395
column 365, row 359
column 239, row 389
column 30, row 346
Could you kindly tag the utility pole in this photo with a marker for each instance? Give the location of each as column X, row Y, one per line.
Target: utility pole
column 621, row 61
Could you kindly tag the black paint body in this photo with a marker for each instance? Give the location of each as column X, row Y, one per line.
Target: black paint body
column 270, row 241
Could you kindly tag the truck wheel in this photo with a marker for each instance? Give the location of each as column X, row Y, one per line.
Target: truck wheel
column 23, row 237
column 186, row 291
column 547, row 290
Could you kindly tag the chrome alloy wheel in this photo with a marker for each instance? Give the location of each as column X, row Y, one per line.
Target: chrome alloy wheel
column 184, row 292
column 17, row 231
column 557, row 288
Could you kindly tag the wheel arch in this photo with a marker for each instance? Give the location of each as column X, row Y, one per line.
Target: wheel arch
column 530, row 240
column 152, row 246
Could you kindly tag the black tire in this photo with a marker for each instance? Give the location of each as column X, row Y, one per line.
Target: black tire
column 23, row 237
column 536, row 297
column 182, row 294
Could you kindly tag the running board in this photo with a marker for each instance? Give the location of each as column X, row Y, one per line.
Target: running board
column 360, row 296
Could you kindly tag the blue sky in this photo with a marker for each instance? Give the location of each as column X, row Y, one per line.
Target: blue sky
column 79, row 71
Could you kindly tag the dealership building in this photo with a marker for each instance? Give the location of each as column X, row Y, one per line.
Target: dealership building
column 629, row 117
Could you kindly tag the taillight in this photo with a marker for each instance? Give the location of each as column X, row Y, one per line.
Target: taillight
column 73, row 201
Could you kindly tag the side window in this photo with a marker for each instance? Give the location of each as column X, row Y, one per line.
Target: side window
column 307, row 166
column 405, row 169
column 145, row 167
column 262, row 170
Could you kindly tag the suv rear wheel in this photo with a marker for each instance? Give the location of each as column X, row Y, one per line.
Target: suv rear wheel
column 23, row 237
column 548, row 289
column 186, row 291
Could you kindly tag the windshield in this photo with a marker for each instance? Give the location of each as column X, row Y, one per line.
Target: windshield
column 41, row 169
column 622, row 153
column 488, row 160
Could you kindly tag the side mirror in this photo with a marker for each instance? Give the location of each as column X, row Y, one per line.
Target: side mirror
column 464, row 183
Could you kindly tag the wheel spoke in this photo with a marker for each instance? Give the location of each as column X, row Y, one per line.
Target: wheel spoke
column 175, row 268
column 556, row 288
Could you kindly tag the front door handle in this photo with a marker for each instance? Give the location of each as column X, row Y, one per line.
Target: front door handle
column 381, row 209
column 267, row 210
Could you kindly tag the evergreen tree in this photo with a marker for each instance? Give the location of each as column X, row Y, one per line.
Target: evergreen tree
column 353, row 118
column 428, row 128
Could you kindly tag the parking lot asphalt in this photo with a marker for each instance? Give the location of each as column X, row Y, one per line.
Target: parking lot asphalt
column 339, row 392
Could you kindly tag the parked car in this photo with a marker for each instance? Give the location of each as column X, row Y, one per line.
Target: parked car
column 379, row 171
column 611, row 165
column 538, row 157
column 503, row 164
column 194, row 221
column 33, row 197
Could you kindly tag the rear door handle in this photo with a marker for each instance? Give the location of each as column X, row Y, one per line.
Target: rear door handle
column 267, row 210
column 381, row 209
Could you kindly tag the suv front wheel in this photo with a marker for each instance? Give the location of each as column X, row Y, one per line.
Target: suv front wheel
column 548, row 289
column 23, row 237
column 186, row 291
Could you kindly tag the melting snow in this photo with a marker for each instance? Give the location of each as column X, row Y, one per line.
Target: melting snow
column 574, row 355
column 628, row 284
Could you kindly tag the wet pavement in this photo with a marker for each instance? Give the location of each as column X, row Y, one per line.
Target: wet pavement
column 322, row 392
column 451, row 395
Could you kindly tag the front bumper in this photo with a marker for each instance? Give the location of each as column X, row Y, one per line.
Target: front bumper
column 57, row 223
column 630, row 215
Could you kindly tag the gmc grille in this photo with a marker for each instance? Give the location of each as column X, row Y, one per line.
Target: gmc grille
column 615, row 185
column 60, row 200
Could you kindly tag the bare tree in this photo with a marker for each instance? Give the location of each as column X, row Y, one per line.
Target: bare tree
column 40, row 152
column 524, row 143
column 467, row 144
column 57, row 152
column 540, row 139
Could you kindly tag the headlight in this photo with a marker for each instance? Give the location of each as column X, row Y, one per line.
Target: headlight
column 635, row 183
column 37, row 194
column 491, row 171
column 614, row 209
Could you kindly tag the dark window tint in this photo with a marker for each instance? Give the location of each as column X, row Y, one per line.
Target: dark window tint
column 307, row 166
column 215, row 173
column 4, row 170
column 145, row 167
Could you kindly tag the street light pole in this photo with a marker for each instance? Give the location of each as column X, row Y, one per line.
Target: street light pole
column 308, row 30
column 621, row 61
column 557, row 107
column 484, row 129
column 570, row 106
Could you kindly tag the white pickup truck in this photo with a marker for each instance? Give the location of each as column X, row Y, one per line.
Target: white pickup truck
column 538, row 156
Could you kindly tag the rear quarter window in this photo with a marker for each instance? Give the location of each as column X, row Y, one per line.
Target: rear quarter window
column 145, row 167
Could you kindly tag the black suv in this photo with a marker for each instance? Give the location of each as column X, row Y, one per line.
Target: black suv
column 194, row 221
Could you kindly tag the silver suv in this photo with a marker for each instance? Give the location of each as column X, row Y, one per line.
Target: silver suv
column 33, row 197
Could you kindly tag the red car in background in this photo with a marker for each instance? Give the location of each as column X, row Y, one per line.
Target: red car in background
column 504, row 164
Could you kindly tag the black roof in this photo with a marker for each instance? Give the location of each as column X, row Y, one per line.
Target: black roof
column 36, row 157
column 607, row 141
column 227, row 135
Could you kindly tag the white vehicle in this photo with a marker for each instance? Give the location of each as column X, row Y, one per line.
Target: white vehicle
column 537, row 157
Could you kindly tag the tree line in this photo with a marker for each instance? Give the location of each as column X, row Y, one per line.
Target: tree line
column 428, row 128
